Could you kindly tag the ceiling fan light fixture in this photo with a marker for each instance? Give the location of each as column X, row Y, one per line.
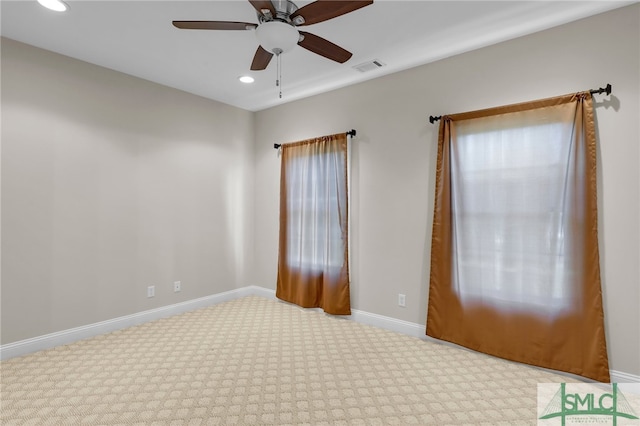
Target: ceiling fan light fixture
column 55, row 5
column 247, row 79
column 277, row 37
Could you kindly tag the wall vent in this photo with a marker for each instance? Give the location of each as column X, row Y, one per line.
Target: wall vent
column 369, row 66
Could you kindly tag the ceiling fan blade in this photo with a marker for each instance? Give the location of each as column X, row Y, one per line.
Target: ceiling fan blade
column 213, row 25
column 323, row 10
column 261, row 5
column 324, row 47
column 261, row 59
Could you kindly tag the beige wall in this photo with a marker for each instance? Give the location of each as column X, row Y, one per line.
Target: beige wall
column 394, row 157
column 111, row 184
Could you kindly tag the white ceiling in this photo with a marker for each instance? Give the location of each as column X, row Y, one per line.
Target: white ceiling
column 137, row 38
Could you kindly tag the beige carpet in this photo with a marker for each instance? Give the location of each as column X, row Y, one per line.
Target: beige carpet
column 258, row 361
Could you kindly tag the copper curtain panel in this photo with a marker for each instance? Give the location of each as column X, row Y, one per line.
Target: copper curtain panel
column 515, row 269
column 313, row 266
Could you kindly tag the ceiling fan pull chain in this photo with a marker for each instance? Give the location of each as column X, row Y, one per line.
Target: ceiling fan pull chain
column 279, row 78
column 277, row 70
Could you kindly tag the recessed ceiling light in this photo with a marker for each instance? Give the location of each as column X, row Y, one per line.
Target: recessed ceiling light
column 57, row 5
column 246, row 79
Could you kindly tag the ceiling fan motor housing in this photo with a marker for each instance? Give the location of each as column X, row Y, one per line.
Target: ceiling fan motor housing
column 283, row 9
column 277, row 37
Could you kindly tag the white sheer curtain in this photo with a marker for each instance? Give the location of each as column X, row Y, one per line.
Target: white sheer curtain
column 509, row 178
column 315, row 190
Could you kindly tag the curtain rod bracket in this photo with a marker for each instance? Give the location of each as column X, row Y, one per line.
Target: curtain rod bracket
column 433, row 119
column 606, row 90
column 351, row 133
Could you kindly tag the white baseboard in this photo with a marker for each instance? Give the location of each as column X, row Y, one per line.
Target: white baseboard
column 627, row 383
column 622, row 377
column 388, row 323
column 262, row 292
column 65, row 337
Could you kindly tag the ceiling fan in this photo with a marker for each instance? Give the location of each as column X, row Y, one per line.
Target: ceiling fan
column 276, row 28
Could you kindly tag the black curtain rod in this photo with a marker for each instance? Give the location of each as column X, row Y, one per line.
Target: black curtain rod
column 351, row 133
column 606, row 89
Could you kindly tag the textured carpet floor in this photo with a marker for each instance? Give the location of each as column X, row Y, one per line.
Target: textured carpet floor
column 258, row 361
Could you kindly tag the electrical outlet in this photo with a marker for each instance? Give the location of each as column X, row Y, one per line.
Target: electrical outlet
column 401, row 300
column 151, row 291
column 177, row 286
